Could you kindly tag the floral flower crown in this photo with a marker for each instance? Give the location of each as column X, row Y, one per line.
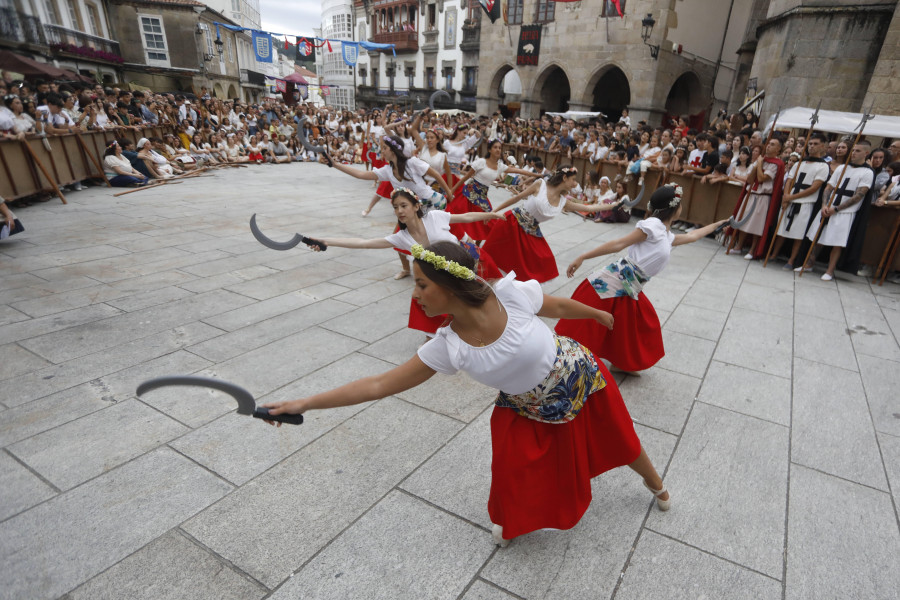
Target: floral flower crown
column 392, row 143
column 675, row 201
column 568, row 170
column 439, row 262
column 405, row 190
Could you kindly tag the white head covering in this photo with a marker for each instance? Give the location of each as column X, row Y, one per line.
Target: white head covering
column 141, row 142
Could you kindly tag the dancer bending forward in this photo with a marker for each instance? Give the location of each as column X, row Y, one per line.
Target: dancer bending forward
column 517, row 243
column 559, row 418
column 636, row 343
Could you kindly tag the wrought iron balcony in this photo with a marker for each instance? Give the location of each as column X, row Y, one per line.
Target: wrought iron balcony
column 17, row 26
column 57, row 35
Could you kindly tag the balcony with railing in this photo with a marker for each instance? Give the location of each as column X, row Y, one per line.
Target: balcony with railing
column 63, row 39
column 404, row 41
column 18, row 27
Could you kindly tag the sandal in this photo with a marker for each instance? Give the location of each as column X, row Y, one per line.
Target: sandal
column 663, row 505
column 402, row 274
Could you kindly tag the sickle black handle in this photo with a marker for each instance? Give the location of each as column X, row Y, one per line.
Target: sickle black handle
column 262, row 412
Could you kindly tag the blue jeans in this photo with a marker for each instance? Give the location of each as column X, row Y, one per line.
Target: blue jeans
column 124, row 180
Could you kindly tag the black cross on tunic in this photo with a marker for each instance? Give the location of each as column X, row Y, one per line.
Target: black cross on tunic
column 794, row 210
column 842, row 192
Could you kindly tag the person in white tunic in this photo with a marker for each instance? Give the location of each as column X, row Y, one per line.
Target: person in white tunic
column 458, row 145
column 805, row 184
column 849, row 187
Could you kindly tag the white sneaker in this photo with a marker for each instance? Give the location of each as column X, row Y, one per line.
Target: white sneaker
column 827, row 277
column 497, row 534
column 748, row 256
column 866, row 271
column 803, row 269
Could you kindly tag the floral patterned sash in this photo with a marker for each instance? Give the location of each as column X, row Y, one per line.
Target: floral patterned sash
column 619, row 279
column 477, row 193
column 527, row 222
column 436, row 202
column 562, row 394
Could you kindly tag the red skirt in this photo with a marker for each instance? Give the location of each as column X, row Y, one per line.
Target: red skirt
column 385, row 189
column 514, row 250
column 541, row 472
column 633, row 344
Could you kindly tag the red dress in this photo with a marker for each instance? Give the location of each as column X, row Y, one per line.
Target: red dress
column 633, row 344
column 541, row 472
column 514, row 249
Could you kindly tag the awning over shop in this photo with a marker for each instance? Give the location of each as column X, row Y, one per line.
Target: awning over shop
column 30, row 68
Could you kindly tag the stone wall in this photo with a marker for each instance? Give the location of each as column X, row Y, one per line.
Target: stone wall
column 813, row 53
column 884, row 87
column 179, row 23
column 585, row 46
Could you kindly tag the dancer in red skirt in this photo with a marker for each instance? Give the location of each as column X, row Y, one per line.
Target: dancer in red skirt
column 416, row 227
column 636, row 342
column 402, row 171
column 517, row 243
column 473, row 195
column 558, row 420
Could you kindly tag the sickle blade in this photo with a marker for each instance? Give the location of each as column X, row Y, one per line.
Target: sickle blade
column 270, row 243
column 246, row 403
column 305, row 142
column 437, row 95
column 734, row 223
column 637, row 199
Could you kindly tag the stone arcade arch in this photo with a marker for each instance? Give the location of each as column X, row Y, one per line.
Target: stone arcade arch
column 218, row 91
column 232, row 91
column 686, row 96
column 552, row 88
column 609, row 92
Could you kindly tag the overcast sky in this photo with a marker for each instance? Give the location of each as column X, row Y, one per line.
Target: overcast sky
column 293, row 17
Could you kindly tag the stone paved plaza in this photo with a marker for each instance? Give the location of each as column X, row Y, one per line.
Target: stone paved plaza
column 771, row 415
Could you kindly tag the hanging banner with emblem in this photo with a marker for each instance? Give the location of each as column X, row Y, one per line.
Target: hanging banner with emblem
column 529, row 45
column 350, row 52
column 262, row 46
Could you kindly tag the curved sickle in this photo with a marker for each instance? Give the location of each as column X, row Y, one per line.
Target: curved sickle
column 747, row 214
column 437, row 95
column 270, row 243
column 637, row 199
column 245, row 400
column 305, row 143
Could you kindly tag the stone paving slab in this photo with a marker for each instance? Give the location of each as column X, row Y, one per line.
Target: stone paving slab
column 837, row 545
column 170, row 568
column 771, row 383
column 85, row 531
column 396, row 563
column 664, row 568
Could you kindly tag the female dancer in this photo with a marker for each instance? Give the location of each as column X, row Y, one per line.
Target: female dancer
column 400, row 171
column 517, row 243
column 636, row 342
column 457, row 145
column 414, row 227
column 559, row 419
column 474, row 196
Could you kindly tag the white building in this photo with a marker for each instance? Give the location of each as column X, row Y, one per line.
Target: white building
column 337, row 24
column 431, row 52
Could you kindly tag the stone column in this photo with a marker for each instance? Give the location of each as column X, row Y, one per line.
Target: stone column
column 530, row 109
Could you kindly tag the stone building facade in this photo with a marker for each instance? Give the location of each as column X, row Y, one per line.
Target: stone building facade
column 844, row 53
column 591, row 58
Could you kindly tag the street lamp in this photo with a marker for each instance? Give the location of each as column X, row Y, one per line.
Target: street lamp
column 220, row 45
column 647, row 24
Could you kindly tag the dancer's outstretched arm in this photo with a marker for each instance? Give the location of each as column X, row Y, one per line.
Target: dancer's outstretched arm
column 566, row 308
column 408, row 375
column 358, row 173
column 608, row 248
column 357, row 243
column 697, row 234
column 529, row 191
column 591, row 208
column 471, row 217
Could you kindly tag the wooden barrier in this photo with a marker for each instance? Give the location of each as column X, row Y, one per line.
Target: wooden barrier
column 882, row 223
column 67, row 161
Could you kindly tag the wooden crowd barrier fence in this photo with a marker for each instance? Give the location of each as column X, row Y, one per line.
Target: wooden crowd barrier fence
column 35, row 169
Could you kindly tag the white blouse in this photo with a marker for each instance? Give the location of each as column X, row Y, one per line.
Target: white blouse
column 413, row 177
column 486, row 175
column 538, row 205
column 456, row 151
column 518, row 360
column 436, row 162
column 437, row 229
column 652, row 255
